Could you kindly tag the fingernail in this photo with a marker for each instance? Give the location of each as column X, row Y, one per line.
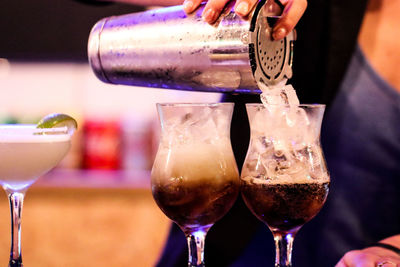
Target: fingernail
column 242, row 8
column 209, row 15
column 188, row 6
column 279, row 33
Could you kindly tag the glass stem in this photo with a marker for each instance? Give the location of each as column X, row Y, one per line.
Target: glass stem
column 195, row 242
column 16, row 200
column 284, row 246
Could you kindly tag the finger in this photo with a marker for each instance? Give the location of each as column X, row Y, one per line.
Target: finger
column 341, row 264
column 358, row 258
column 243, row 7
column 190, row 5
column 213, row 9
column 291, row 15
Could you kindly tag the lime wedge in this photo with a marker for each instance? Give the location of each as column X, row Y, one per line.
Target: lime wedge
column 57, row 120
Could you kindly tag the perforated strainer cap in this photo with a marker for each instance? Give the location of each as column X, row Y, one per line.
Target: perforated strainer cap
column 271, row 61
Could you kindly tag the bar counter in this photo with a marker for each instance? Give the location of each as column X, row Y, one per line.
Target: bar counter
column 88, row 218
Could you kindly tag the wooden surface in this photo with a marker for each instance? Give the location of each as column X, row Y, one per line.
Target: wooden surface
column 86, row 227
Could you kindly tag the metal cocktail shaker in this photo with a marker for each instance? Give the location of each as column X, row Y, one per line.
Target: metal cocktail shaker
column 167, row 48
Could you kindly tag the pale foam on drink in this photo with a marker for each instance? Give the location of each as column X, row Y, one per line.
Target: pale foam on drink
column 26, row 154
column 195, row 161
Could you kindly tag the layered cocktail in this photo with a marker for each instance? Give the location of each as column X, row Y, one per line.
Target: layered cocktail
column 195, row 179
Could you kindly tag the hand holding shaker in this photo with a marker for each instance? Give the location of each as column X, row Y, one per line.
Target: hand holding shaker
column 166, row 48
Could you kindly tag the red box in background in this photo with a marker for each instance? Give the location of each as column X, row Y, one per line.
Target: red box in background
column 101, row 145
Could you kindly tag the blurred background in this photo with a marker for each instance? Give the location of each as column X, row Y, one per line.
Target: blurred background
column 95, row 208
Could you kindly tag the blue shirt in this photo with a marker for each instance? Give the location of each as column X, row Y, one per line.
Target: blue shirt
column 361, row 142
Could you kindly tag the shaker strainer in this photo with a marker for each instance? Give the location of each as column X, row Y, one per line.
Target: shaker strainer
column 166, row 48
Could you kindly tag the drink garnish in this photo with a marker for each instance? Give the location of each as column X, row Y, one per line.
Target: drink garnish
column 58, row 120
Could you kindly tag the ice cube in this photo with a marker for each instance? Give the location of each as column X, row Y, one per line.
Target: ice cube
column 291, row 117
column 279, row 95
column 314, row 154
column 298, row 128
column 254, row 168
column 270, row 166
column 280, row 146
column 291, row 95
column 259, row 180
column 264, row 143
column 302, row 118
column 221, row 121
column 264, row 87
column 272, row 99
column 319, row 174
column 173, row 131
column 312, row 161
column 261, row 123
column 197, row 126
column 274, row 96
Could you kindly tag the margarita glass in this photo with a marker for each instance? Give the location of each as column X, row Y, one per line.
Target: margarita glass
column 26, row 153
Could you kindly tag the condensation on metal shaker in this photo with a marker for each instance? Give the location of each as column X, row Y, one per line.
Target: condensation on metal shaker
column 166, row 48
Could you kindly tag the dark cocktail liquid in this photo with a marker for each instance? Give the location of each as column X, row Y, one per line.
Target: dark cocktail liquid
column 284, row 206
column 197, row 203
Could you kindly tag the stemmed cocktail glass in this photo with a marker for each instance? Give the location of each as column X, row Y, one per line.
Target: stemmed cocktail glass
column 195, row 179
column 284, row 179
column 26, row 153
